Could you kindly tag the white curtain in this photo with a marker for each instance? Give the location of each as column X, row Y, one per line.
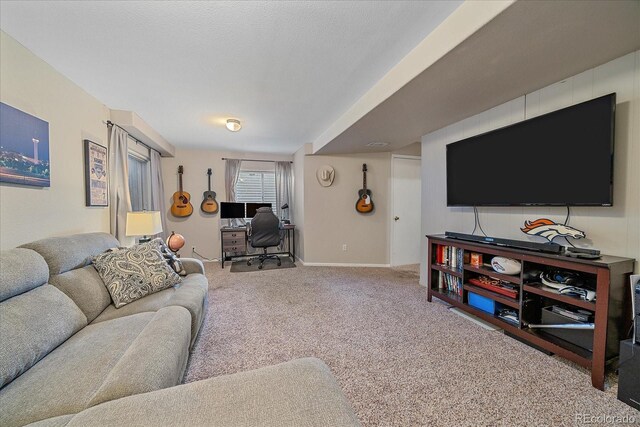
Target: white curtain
column 157, row 190
column 231, row 176
column 284, row 189
column 119, row 198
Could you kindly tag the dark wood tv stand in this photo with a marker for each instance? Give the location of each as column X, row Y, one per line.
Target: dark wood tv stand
column 611, row 310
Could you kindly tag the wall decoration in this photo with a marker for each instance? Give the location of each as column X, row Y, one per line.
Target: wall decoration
column 325, row 175
column 95, row 174
column 364, row 204
column 548, row 229
column 24, row 148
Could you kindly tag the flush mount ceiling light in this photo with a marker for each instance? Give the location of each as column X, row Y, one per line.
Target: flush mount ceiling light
column 377, row 144
column 233, row 125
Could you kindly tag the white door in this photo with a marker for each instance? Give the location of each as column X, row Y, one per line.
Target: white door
column 405, row 211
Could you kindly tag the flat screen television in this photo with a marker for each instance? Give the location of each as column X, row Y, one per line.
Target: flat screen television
column 253, row 207
column 563, row 158
column 231, row 210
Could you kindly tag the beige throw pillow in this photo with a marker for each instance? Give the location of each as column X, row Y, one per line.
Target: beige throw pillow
column 132, row 273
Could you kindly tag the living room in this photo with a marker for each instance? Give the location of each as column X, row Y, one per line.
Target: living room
column 312, row 102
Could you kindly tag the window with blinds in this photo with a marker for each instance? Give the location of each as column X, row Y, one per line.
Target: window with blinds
column 139, row 183
column 257, row 187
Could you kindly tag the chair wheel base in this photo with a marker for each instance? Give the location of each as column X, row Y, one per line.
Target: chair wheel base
column 260, row 267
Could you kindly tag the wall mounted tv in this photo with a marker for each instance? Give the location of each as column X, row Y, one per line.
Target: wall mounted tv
column 563, row 158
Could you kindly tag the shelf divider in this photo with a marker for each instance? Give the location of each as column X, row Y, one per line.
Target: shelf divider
column 539, row 290
column 453, row 271
column 490, row 272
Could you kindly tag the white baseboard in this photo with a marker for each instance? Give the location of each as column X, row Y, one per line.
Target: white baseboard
column 485, row 325
column 342, row 264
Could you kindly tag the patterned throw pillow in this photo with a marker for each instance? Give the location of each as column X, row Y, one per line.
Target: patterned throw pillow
column 171, row 258
column 132, row 273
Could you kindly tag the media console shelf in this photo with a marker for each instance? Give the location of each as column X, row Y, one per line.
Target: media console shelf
column 611, row 311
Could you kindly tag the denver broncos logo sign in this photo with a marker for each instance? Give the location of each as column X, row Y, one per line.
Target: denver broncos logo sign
column 548, row 229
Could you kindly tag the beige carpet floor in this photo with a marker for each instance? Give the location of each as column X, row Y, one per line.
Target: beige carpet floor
column 400, row 360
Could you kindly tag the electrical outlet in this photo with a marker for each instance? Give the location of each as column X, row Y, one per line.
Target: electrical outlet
column 344, row 247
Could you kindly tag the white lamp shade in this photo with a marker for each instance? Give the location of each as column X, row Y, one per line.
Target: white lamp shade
column 145, row 223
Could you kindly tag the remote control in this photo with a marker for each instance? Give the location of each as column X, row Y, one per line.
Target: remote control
column 583, row 251
column 582, row 255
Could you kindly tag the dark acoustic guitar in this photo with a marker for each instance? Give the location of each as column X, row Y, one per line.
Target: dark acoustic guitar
column 209, row 204
column 364, row 203
column 181, row 206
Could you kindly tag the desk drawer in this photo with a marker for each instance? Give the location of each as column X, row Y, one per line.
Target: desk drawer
column 233, row 241
column 233, row 235
column 240, row 247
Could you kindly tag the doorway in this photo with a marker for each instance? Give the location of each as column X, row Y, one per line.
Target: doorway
column 405, row 209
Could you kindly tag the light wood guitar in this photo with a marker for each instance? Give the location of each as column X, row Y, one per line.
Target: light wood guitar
column 209, row 204
column 364, row 203
column 181, row 206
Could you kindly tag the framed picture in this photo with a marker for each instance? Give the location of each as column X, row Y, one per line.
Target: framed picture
column 96, row 172
column 24, row 148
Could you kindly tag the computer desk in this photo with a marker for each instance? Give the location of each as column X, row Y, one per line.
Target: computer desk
column 233, row 243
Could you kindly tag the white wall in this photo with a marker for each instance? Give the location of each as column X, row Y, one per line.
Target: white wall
column 614, row 230
column 29, row 213
column 202, row 230
column 298, row 197
column 330, row 216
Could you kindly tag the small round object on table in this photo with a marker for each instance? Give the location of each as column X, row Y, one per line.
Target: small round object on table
column 506, row 265
column 175, row 242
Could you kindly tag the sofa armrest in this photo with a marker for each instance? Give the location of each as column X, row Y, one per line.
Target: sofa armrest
column 192, row 265
column 301, row 392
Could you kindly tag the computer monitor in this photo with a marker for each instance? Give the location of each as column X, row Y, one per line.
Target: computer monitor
column 231, row 210
column 253, row 207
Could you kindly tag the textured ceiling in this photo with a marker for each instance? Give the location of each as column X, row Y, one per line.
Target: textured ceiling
column 286, row 69
column 528, row 46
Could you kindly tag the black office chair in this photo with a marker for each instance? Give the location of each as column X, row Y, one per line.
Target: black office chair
column 264, row 232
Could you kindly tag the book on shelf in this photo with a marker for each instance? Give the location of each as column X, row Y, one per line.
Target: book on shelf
column 450, row 256
column 450, row 283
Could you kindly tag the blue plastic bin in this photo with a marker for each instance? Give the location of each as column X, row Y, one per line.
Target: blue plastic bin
column 482, row 303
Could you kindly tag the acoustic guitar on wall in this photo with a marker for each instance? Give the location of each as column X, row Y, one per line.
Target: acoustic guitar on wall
column 364, row 203
column 181, row 206
column 209, row 204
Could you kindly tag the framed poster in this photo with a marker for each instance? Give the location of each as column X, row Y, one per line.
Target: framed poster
column 95, row 174
column 24, row 148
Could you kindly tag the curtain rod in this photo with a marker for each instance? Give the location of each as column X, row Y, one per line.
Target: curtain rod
column 110, row 123
column 254, row 160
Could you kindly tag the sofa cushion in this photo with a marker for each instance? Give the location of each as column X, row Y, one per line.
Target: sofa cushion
column 69, row 252
column 20, row 271
column 190, row 294
column 192, row 265
column 301, row 392
column 31, row 325
column 107, row 360
column 135, row 272
column 85, row 287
